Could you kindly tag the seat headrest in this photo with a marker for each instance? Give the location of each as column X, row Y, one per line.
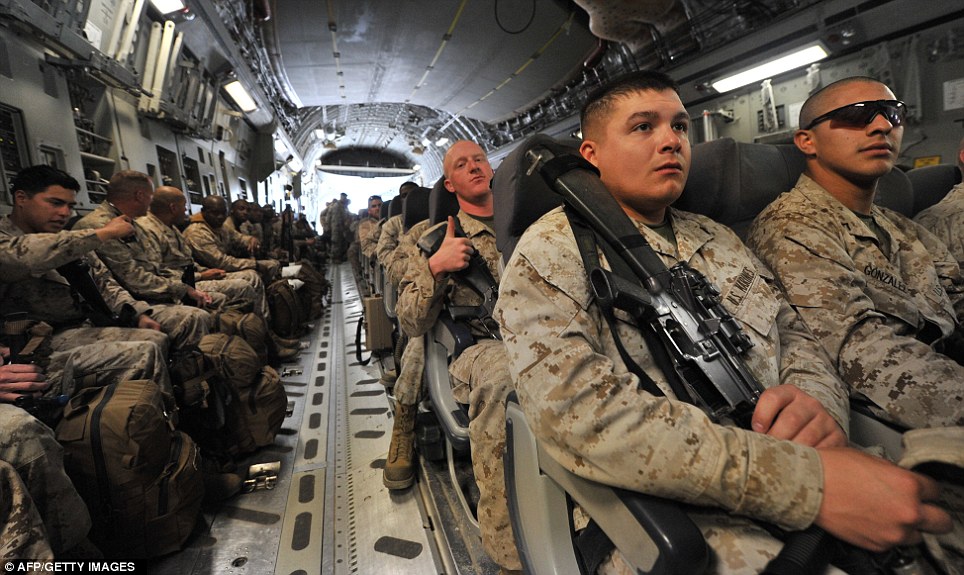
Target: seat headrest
column 731, row 182
column 386, row 210
column 415, row 208
column 894, row 191
column 441, row 203
column 522, row 198
column 396, row 207
column 931, row 184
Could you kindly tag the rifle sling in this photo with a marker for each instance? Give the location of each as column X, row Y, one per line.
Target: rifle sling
column 587, row 241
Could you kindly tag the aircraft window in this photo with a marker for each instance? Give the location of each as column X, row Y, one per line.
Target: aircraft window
column 13, row 151
column 192, row 180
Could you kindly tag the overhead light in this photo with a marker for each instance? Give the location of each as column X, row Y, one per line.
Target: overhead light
column 791, row 61
column 168, row 6
column 416, row 167
column 441, row 141
column 319, row 133
column 426, row 142
column 240, row 96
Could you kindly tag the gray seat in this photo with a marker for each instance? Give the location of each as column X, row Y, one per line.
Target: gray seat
column 441, row 203
column 932, row 183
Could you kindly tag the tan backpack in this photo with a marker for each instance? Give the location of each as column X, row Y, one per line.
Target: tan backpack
column 287, row 314
column 140, row 478
column 248, row 326
column 255, row 399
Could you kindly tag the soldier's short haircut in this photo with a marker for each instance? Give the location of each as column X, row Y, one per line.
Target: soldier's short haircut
column 213, row 203
column 36, row 179
column 600, row 102
column 128, row 182
column 407, row 187
column 239, row 202
column 814, row 105
column 165, row 196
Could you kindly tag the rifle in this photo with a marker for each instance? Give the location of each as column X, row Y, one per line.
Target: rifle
column 77, row 274
column 695, row 341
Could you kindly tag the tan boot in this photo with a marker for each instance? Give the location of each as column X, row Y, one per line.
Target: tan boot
column 400, row 466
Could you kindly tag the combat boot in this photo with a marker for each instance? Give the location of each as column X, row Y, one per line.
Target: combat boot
column 400, row 465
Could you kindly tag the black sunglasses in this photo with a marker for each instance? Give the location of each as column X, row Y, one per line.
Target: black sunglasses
column 862, row 113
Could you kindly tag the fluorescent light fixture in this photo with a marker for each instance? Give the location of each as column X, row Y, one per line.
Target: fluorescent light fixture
column 279, row 147
column 798, row 59
column 320, row 134
column 441, row 141
column 426, row 142
column 168, row 6
column 416, row 167
column 240, row 96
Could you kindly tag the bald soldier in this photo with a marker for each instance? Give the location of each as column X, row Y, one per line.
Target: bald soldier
column 479, row 374
column 882, row 295
column 216, row 246
column 946, row 218
column 168, row 209
column 593, row 416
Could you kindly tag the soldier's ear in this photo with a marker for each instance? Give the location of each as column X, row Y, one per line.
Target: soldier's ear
column 805, row 142
column 19, row 196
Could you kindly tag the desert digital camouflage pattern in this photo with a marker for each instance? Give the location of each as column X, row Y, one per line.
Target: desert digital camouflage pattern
column 591, row 415
column 479, row 376
column 945, row 219
column 877, row 316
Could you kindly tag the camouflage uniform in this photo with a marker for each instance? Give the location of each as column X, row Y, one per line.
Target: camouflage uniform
column 592, row 416
column 365, row 229
column 480, row 378
column 38, row 503
column 137, row 267
column 336, row 225
column 871, row 313
column 175, row 254
column 213, row 248
column 46, row 296
column 22, row 533
column 408, row 385
column 387, row 242
column 22, row 256
column 945, row 220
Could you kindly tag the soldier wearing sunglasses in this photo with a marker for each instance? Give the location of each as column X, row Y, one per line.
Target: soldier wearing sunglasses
column 881, row 293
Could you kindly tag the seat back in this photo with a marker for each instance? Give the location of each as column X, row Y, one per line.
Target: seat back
column 931, row 184
column 415, row 207
column 386, row 209
column 731, row 182
column 522, row 197
column 395, row 208
column 894, row 191
column 441, row 203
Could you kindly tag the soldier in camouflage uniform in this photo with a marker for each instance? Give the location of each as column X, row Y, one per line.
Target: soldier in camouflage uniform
column 238, row 215
column 159, row 226
column 592, row 416
column 479, row 374
column 215, row 246
column 946, row 218
column 881, row 294
column 336, row 224
column 136, row 262
column 43, row 198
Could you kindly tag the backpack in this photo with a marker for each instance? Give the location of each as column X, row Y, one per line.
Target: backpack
column 287, row 316
column 254, row 399
column 248, row 326
column 315, row 290
column 140, row 478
